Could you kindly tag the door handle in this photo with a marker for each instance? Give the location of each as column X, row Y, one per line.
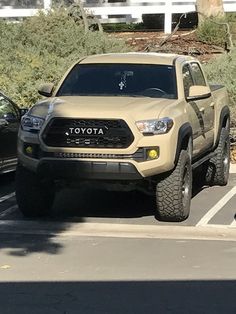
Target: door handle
column 202, row 109
column 212, row 105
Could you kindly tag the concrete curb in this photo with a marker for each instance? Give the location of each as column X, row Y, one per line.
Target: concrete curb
column 232, row 168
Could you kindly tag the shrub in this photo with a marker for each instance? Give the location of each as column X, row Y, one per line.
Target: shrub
column 212, row 31
column 231, row 17
column 122, row 27
column 223, row 69
column 41, row 48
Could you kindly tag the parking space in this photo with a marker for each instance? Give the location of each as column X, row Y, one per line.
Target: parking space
column 211, row 207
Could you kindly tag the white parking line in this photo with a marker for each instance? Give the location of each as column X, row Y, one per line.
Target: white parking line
column 211, row 213
column 233, row 224
column 6, row 197
column 8, row 211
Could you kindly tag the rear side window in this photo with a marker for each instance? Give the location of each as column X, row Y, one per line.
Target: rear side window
column 197, row 74
column 187, row 79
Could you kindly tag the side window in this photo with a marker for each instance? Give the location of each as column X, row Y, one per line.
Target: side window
column 197, row 74
column 7, row 109
column 187, row 79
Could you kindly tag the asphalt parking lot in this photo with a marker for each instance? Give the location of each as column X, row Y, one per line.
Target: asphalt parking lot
column 211, row 206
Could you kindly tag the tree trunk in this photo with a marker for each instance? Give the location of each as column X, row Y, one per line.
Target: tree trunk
column 208, row 8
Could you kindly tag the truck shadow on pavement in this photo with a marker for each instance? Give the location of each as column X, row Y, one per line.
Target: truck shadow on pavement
column 71, row 206
column 97, row 203
column 75, row 204
column 119, row 297
column 7, row 183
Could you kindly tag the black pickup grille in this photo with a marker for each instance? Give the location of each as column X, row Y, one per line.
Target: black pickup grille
column 89, row 133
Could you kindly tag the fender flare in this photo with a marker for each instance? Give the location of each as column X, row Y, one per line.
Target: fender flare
column 225, row 114
column 184, row 131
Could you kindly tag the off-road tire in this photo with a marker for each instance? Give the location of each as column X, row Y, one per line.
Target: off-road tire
column 174, row 191
column 217, row 169
column 34, row 196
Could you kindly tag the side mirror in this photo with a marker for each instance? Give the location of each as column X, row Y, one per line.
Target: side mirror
column 10, row 117
column 46, row 89
column 198, row 92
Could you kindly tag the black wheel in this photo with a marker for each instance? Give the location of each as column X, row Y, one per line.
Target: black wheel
column 217, row 169
column 34, row 197
column 174, row 191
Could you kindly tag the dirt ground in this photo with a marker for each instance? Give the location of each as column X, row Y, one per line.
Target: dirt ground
column 181, row 43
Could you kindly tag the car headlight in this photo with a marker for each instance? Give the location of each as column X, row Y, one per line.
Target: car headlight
column 157, row 126
column 31, row 123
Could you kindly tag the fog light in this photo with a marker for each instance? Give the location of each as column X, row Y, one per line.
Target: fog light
column 153, row 153
column 29, row 150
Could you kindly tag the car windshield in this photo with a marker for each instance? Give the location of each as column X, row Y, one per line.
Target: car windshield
column 134, row 80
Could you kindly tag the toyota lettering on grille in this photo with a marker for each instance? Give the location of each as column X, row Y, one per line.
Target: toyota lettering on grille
column 86, row 131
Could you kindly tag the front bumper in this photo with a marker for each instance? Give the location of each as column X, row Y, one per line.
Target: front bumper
column 64, row 169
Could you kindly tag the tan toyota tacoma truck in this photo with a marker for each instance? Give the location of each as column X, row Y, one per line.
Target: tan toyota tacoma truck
column 124, row 122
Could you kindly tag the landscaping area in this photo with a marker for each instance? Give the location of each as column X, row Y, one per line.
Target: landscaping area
column 41, row 48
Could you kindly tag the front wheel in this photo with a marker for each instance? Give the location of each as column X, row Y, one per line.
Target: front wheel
column 34, row 196
column 174, row 191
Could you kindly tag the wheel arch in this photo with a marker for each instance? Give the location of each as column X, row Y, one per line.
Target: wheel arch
column 224, row 122
column 185, row 133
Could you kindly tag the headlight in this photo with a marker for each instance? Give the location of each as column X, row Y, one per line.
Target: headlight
column 160, row 126
column 31, row 124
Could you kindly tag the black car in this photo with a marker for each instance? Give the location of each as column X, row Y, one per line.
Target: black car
column 10, row 116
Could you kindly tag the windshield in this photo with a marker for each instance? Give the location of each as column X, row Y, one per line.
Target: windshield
column 148, row 80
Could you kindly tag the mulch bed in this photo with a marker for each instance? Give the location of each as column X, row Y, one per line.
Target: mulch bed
column 180, row 43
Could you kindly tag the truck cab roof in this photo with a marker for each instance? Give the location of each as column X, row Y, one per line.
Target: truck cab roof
column 137, row 57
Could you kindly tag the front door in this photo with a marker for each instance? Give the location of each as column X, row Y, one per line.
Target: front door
column 206, row 106
column 201, row 111
column 9, row 124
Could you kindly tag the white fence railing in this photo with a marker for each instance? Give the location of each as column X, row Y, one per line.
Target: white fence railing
column 11, row 12
column 128, row 11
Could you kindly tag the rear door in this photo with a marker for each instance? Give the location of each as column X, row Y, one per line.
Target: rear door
column 9, row 124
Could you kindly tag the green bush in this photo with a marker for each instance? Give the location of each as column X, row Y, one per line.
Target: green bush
column 231, row 17
column 212, row 31
column 41, row 48
column 122, row 27
column 223, row 70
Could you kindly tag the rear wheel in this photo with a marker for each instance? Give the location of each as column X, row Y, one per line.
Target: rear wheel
column 174, row 191
column 217, row 169
column 34, row 196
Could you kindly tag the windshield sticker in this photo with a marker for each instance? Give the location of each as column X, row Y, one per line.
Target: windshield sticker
column 122, row 83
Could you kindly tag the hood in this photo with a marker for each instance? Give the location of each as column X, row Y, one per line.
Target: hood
column 137, row 108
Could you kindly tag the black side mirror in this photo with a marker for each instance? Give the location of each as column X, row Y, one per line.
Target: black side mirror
column 46, row 89
column 10, row 117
